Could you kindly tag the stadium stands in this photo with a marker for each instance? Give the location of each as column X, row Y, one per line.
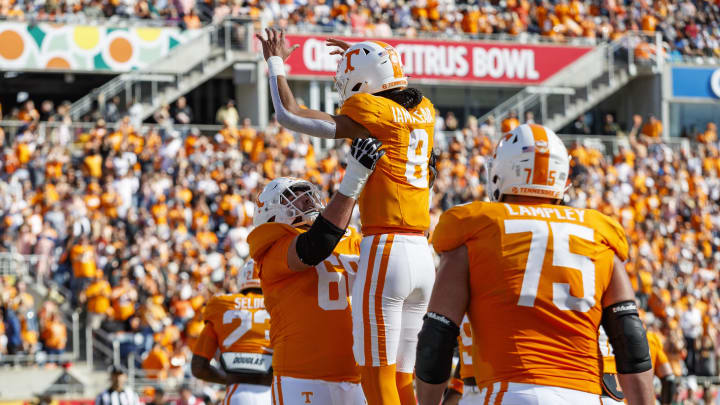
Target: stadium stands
column 688, row 27
column 143, row 224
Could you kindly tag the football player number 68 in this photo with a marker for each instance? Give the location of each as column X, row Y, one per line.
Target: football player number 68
column 562, row 257
column 328, row 277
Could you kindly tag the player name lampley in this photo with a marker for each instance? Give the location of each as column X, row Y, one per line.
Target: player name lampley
column 568, row 214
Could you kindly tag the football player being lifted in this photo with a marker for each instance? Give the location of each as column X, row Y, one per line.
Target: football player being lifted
column 396, row 270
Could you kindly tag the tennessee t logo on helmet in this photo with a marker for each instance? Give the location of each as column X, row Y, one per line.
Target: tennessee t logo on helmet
column 369, row 67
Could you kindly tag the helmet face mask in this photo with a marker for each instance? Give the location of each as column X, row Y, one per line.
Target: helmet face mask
column 369, row 67
column 529, row 161
column 288, row 200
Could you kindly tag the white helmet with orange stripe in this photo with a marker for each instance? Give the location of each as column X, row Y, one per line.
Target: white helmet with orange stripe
column 288, row 200
column 369, row 67
column 531, row 161
column 249, row 276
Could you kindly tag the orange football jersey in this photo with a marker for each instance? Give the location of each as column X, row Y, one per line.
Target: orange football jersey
column 657, row 354
column 538, row 273
column 465, row 348
column 235, row 324
column 396, row 196
column 311, row 331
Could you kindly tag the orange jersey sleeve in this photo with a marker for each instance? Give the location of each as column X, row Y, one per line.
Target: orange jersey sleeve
column 396, row 196
column 279, row 237
column 311, row 331
column 465, row 349
column 206, row 345
column 657, row 354
column 546, row 267
column 606, row 353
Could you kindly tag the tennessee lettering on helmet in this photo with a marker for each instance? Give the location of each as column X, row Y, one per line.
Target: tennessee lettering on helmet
column 530, row 160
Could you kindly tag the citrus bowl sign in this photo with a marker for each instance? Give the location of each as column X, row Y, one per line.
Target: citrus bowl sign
column 445, row 61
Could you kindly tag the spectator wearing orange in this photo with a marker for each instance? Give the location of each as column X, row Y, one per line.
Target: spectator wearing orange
column 96, row 296
column 509, row 123
column 82, row 257
column 653, row 128
column 54, row 334
column 123, row 298
column 157, row 363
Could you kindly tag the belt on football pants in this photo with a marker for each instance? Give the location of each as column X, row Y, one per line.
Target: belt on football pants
column 469, row 382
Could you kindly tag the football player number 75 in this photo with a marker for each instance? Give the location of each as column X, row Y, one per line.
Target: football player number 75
column 561, row 257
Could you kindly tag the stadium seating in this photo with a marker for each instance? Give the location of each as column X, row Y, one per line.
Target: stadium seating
column 144, row 222
column 688, row 27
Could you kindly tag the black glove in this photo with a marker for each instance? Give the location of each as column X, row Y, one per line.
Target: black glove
column 367, row 151
column 432, row 167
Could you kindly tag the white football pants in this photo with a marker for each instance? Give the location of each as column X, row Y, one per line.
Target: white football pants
column 300, row 391
column 389, row 299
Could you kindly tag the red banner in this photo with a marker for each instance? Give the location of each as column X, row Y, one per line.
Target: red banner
column 439, row 61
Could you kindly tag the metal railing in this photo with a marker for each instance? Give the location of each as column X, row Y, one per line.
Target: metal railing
column 609, row 145
column 25, row 267
column 555, row 96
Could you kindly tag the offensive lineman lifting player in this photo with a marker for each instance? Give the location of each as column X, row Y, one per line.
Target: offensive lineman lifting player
column 396, row 270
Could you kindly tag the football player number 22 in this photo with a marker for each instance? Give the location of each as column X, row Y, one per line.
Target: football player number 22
column 247, row 318
column 562, row 257
column 416, row 168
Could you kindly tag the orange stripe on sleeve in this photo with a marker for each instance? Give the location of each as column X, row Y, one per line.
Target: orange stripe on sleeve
column 542, row 155
column 382, row 338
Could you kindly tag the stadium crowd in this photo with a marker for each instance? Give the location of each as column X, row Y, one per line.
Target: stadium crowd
column 688, row 27
column 143, row 224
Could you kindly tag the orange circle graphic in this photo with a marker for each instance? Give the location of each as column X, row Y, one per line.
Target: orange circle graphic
column 11, row 45
column 57, row 63
column 121, row 50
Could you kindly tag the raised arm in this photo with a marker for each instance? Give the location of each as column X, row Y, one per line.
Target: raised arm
column 289, row 114
column 312, row 247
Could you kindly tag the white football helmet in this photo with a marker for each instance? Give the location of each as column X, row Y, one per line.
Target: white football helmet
column 369, row 67
column 530, row 160
column 249, row 276
column 288, row 200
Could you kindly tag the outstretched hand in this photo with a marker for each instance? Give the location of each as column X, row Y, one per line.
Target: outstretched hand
column 338, row 43
column 275, row 44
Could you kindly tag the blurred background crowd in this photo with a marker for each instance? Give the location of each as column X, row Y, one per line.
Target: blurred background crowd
column 144, row 223
column 688, row 27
